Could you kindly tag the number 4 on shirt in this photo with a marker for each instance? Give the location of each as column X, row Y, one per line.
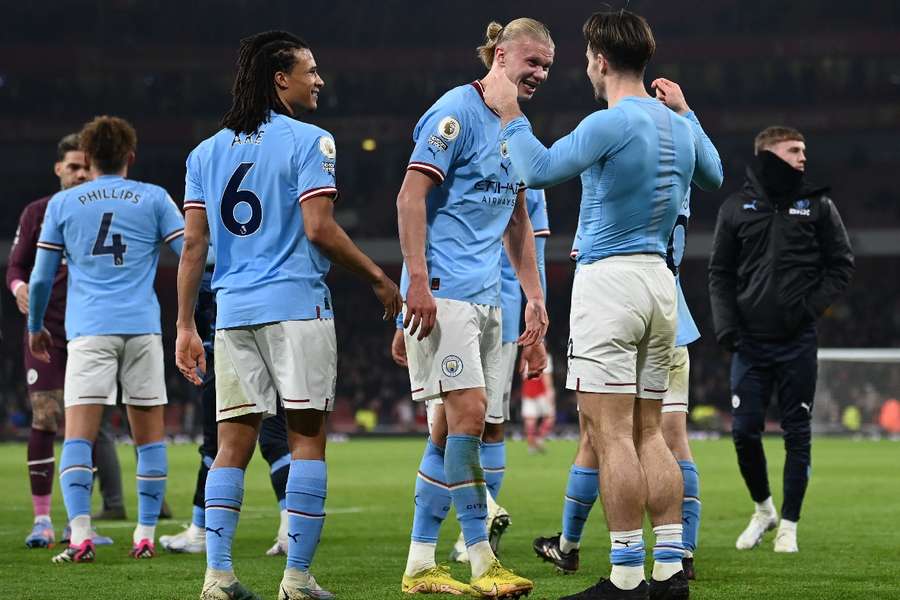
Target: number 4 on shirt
column 117, row 248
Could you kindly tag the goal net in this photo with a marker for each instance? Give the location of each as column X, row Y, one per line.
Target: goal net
column 858, row 391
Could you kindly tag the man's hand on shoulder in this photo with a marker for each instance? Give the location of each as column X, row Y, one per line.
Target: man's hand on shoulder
column 669, row 93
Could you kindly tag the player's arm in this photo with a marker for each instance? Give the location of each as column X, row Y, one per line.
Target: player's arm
column 421, row 309
column 518, row 240
column 708, row 174
column 21, row 258
column 40, row 285
column 189, row 352
column 723, row 280
column 322, row 230
column 542, row 167
column 837, row 260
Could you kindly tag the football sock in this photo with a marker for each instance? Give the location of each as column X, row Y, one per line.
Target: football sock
column 493, row 462
column 547, row 425
column 198, row 517
column 668, row 551
column 581, row 493
column 306, row 490
column 278, row 475
column 465, row 478
column 224, row 496
column 690, row 505
column 432, row 503
column 76, row 480
column 152, row 470
column 626, row 556
column 531, row 432
column 40, row 470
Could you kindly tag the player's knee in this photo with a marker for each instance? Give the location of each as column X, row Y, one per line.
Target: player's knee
column 272, row 447
column 493, row 433
column 747, row 428
column 46, row 409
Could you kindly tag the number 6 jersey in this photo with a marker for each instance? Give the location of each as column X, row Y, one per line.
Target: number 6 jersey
column 110, row 230
column 252, row 186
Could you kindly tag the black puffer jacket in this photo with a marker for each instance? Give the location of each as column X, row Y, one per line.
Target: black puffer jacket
column 776, row 264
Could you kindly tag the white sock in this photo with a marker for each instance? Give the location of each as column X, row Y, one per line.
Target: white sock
column 224, row 577
column 283, row 525
column 566, row 546
column 480, row 557
column 421, row 557
column 81, row 530
column 42, row 519
column 667, row 534
column 492, row 506
column 786, row 525
column 195, row 532
column 766, row 506
column 626, row 578
column 143, row 532
column 291, row 573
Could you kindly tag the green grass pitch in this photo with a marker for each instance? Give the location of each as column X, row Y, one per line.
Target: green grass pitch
column 849, row 541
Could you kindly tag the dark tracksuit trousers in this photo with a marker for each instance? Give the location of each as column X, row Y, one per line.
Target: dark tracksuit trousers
column 787, row 368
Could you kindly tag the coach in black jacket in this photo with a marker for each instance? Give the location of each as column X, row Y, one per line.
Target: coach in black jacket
column 780, row 257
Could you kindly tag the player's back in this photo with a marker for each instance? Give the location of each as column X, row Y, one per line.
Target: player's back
column 252, row 186
column 632, row 195
column 111, row 229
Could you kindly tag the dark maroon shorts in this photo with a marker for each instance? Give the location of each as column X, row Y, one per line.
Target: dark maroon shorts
column 42, row 377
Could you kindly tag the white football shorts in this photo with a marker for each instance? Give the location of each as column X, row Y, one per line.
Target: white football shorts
column 258, row 364
column 622, row 327
column 97, row 362
column 676, row 399
column 461, row 352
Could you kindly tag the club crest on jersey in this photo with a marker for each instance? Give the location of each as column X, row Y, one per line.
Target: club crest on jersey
column 327, row 147
column 504, row 149
column 31, row 377
column 800, row 208
column 452, row 365
column 449, row 128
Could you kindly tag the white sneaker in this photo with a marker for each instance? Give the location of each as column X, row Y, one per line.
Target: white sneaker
column 280, row 548
column 301, row 585
column 786, row 539
column 759, row 524
column 459, row 553
column 190, row 541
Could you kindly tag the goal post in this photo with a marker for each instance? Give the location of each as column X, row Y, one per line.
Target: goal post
column 858, row 391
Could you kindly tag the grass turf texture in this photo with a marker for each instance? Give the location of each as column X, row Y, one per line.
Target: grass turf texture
column 848, row 537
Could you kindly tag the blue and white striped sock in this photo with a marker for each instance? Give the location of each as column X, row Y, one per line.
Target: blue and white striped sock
column 626, row 555
column 306, row 490
column 224, row 496
column 668, row 551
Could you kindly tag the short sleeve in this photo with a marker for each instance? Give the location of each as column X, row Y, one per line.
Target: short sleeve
column 171, row 223
column 441, row 136
column 51, row 231
column 537, row 212
column 193, row 183
column 316, row 167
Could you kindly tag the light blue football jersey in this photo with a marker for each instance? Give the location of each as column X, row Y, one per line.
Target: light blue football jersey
column 252, row 186
column 457, row 143
column 636, row 161
column 510, row 290
column 111, row 230
column 687, row 331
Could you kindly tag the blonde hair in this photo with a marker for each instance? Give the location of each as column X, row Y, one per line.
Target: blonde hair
column 497, row 34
